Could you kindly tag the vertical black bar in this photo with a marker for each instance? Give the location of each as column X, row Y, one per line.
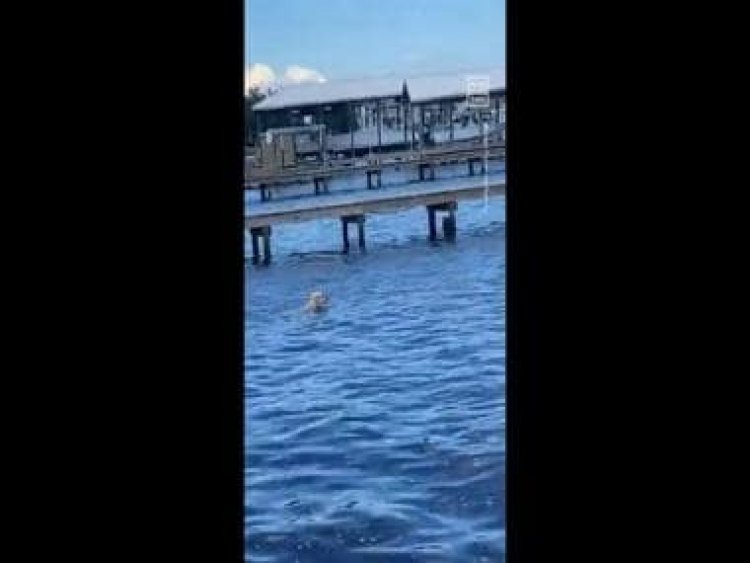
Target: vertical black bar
column 256, row 250
column 451, row 119
column 361, row 231
column 431, row 222
column 380, row 121
column 352, row 124
column 345, row 234
column 405, row 112
column 267, row 245
column 421, row 127
column 449, row 227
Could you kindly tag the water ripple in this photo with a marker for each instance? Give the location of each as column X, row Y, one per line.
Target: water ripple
column 376, row 431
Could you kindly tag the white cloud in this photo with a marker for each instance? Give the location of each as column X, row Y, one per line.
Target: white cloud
column 259, row 76
column 263, row 76
column 296, row 74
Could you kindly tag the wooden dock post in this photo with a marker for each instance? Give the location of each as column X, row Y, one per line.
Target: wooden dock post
column 431, row 222
column 345, row 234
column 449, row 222
column 320, row 184
column 426, row 165
column 360, row 220
column 361, row 231
column 265, row 234
column 267, row 245
column 472, row 161
column 256, row 250
column 369, row 177
column 449, row 226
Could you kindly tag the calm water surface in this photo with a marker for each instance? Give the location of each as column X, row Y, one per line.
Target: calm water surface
column 376, row 431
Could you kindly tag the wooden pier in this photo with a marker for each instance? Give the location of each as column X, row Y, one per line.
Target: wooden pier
column 438, row 196
column 423, row 162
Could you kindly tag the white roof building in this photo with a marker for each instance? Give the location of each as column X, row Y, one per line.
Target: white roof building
column 454, row 85
column 334, row 91
column 419, row 89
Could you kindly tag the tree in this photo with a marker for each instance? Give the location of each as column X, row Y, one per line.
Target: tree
column 253, row 96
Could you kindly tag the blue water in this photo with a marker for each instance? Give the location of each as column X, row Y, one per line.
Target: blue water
column 376, row 431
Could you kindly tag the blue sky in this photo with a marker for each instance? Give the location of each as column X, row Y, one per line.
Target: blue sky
column 353, row 38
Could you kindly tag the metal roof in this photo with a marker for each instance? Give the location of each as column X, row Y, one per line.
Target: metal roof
column 332, row 92
column 420, row 88
column 454, row 85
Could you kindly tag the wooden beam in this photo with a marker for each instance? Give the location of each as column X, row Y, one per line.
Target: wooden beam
column 377, row 201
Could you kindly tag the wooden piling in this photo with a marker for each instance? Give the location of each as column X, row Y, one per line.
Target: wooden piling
column 449, row 222
column 256, row 250
column 321, row 184
column 345, row 220
column 449, row 226
column 431, row 222
column 361, row 231
column 345, row 234
column 267, row 245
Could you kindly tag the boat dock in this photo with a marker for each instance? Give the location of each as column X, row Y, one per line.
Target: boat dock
column 423, row 162
column 438, row 196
